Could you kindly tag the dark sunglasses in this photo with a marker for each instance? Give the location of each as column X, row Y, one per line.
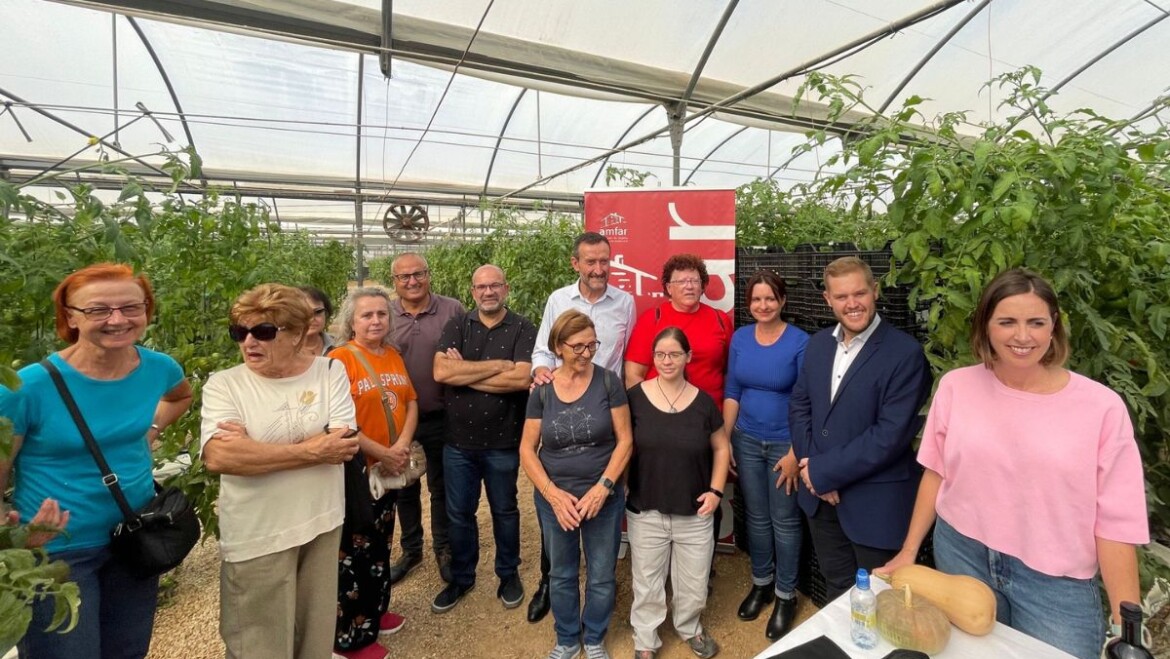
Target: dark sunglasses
column 262, row 332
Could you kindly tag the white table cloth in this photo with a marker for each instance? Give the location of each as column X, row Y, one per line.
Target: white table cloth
column 833, row 621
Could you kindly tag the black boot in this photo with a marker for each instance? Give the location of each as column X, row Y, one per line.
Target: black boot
column 538, row 607
column 757, row 598
column 783, row 615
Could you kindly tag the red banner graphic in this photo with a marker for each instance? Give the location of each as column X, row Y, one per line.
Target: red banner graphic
column 646, row 226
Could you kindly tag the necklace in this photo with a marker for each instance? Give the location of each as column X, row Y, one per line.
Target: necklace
column 666, row 398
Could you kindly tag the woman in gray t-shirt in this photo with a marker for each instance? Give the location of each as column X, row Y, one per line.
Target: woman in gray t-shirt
column 576, row 443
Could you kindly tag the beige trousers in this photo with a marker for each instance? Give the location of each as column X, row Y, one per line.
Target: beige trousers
column 282, row 605
column 682, row 545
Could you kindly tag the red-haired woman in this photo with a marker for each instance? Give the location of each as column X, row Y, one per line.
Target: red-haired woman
column 127, row 394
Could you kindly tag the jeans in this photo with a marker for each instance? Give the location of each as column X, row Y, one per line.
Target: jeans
column 116, row 618
column 773, row 517
column 1061, row 611
column 431, row 433
column 497, row 469
column 599, row 537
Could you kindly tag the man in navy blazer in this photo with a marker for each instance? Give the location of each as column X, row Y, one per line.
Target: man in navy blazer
column 853, row 414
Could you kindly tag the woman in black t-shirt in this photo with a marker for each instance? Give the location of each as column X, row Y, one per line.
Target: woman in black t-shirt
column 677, row 474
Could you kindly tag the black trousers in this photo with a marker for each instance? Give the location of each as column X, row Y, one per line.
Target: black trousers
column 431, row 433
column 839, row 557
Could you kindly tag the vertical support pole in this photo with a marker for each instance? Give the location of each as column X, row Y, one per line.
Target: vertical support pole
column 114, row 55
column 358, row 239
column 674, row 119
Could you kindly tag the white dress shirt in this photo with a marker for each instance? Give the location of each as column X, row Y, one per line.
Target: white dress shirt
column 846, row 354
column 613, row 317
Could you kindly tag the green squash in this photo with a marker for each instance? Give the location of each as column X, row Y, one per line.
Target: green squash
column 911, row 622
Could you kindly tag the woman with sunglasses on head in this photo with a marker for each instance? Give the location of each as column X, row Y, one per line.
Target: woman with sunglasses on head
column 127, row 394
column 278, row 428
column 387, row 411
column 575, row 446
column 677, row 476
column 317, row 340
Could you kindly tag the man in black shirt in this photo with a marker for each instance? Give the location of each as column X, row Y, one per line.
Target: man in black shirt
column 484, row 357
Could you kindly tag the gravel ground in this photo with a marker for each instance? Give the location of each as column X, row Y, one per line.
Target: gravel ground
column 479, row 626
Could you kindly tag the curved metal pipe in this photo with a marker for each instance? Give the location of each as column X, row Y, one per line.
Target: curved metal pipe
column 165, row 78
column 605, row 161
column 712, row 152
column 500, row 138
column 930, row 55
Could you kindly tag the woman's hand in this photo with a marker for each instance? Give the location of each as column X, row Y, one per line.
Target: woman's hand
column 708, row 503
column 590, row 504
column 789, row 472
column 900, row 559
column 45, row 525
column 395, row 458
column 564, row 506
column 731, row 464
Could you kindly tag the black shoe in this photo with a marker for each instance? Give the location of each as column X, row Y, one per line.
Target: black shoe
column 783, row 615
column 538, row 607
column 404, row 566
column 757, row 598
column 511, row 591
column 449, row 597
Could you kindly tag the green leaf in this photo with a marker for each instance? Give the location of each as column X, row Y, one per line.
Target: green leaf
column 1003, row 184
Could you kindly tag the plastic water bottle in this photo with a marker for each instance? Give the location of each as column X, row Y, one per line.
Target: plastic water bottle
column 863, row 607
column 1129, row 646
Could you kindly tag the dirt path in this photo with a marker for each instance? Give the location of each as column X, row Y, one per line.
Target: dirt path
column 479, row 626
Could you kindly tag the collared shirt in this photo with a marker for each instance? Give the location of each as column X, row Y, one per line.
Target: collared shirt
column 479, row 419
column 613, row 318
column 415, row 337
column 846, row 355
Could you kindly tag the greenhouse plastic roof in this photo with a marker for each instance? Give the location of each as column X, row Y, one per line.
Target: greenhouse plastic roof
column 522, row 97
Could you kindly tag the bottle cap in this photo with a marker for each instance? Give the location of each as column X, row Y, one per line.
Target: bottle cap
column 863, row 579
column 1131, row 612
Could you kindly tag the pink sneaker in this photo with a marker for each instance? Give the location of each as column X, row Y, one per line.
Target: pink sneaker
column 390, row 624
column 371, row 651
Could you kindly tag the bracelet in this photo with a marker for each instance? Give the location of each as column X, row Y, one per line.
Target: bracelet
column 154, row 427
column 715, row 492
column 544, row 490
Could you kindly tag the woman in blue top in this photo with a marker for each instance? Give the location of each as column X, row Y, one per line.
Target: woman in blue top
column 761, row 368
column 127, row 395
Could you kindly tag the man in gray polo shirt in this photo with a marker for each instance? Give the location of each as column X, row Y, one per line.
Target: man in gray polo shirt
column 418, row 317
column 612, row 311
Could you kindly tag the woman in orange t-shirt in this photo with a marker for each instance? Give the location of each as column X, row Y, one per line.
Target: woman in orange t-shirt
column 364, row 572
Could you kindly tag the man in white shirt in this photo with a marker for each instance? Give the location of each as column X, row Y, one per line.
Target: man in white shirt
column 613, row 314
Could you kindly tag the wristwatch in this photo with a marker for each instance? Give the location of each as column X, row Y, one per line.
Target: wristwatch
column 606, row 483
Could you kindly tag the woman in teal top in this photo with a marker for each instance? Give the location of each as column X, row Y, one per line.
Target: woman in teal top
column 127, row 395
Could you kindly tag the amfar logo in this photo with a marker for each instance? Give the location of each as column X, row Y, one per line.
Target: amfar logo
column 613, row 227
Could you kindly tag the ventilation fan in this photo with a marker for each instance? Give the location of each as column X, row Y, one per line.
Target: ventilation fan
column 406, row 223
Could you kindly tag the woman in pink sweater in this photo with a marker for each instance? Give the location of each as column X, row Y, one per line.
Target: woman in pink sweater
column 1033, row 479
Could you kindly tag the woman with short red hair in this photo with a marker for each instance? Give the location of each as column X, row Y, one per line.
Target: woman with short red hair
column 127, row 394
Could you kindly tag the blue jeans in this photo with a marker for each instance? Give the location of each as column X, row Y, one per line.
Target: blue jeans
column 116, row 616
column 773, row 517
column 463, row 471
column 600, row 538
column 1063, row 612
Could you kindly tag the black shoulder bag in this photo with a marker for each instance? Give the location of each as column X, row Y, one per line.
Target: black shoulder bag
column 154, row 539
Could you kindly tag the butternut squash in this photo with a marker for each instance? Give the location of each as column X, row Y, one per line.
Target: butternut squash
column 911, row 622
column 967, row 602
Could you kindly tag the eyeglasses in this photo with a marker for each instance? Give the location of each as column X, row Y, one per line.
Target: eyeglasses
column 421, row 275
column 101, row 313
column 686, row 282
column 669, row 356
column 493, row 287
column 262, row 332
column 319, row 311
column 580, row 348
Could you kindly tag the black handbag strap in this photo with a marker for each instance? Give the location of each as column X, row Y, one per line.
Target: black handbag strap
column 109, row 478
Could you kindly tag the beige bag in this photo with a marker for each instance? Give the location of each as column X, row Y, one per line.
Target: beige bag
column 416, row 464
